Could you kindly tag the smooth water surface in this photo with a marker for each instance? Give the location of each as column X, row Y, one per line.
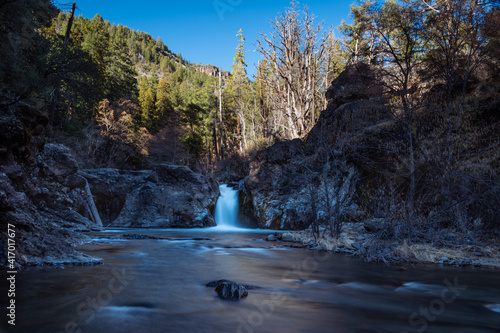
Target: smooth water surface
column 148, row 285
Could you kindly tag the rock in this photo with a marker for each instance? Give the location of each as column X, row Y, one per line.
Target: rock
column 280, row 183
column 44, row 238
column 374, row 225
column 57, row 161
column 139, row 236
column 478, row 254
column 169, row 197
column 352, row 213
column 228, row 290
column 356, row 246
column 75, row 181
column 12, row 132
column 39, row 193
column 153, row 177
column 361, row 238
column 287, row 237
column 465, row 262
column 357, row 93
column 246, row 212
column 271, row 238
column 444, row 259
column 278, row 235
column 311, row 244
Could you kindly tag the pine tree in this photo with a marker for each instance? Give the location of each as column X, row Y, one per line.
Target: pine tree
column 146, row 103
column 96, row 42
column 120, row 71
column 238, row 84
column 163, row 104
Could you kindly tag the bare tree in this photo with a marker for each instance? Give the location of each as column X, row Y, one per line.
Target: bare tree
column 456, row 30
column 294, row 52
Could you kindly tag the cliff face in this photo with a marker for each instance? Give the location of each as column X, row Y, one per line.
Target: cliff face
column 40, row 193
column 168, row 196
column 211, row 70
column 298, row 182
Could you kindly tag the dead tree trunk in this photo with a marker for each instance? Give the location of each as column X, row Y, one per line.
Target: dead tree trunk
column 55, row 95
column 91, row 207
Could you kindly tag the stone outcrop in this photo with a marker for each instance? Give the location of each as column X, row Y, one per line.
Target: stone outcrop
column 291, row 195
column 40, row 193
column 356, row 101
column 212, row 70
column 40, row 236
column 168, row 196
column 294, row 183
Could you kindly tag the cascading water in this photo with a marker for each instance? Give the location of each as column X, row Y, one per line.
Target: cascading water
column 226, row 210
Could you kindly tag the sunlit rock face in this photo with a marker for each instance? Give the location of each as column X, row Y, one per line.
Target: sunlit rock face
column 168, row 196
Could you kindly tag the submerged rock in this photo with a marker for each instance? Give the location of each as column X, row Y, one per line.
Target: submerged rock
column 228, row 289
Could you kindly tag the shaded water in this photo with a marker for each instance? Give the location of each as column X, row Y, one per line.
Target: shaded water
column 162, row 290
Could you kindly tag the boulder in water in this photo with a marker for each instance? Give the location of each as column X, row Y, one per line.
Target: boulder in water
column 271, row 238
column 228, row 289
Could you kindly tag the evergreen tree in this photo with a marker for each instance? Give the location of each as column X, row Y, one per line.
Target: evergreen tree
column 163, row 104
column 96, row 42
column 239, row 86
column 120, row 71
column 23, row 50
column 146, row 102
column 361, row 37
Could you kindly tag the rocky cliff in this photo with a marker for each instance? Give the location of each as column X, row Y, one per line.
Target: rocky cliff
column 40, row 193
column 295, row 183
column 168, row 196
column 212, row 70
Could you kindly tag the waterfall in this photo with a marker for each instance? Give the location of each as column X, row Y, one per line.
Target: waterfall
column 226, row 210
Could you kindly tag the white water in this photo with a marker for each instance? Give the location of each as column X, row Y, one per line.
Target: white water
column 226, row 210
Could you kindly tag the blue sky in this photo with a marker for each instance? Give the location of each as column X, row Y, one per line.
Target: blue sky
column 204, row 31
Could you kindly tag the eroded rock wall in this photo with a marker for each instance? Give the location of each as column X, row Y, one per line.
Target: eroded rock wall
column 168, row 196
column 294, row 183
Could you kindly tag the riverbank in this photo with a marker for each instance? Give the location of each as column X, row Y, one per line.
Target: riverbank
column 355, row 240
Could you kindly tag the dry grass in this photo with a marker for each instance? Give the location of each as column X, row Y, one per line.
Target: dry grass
column 325, row 242
column 427, row 253
column 404, row 252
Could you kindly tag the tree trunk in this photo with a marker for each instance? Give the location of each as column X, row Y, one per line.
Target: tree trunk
column 55, row 96
column 220, row 115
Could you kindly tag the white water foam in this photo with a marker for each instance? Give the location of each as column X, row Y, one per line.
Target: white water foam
column 226, row 210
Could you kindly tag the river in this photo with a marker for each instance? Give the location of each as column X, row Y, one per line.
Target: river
column 150, row 285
